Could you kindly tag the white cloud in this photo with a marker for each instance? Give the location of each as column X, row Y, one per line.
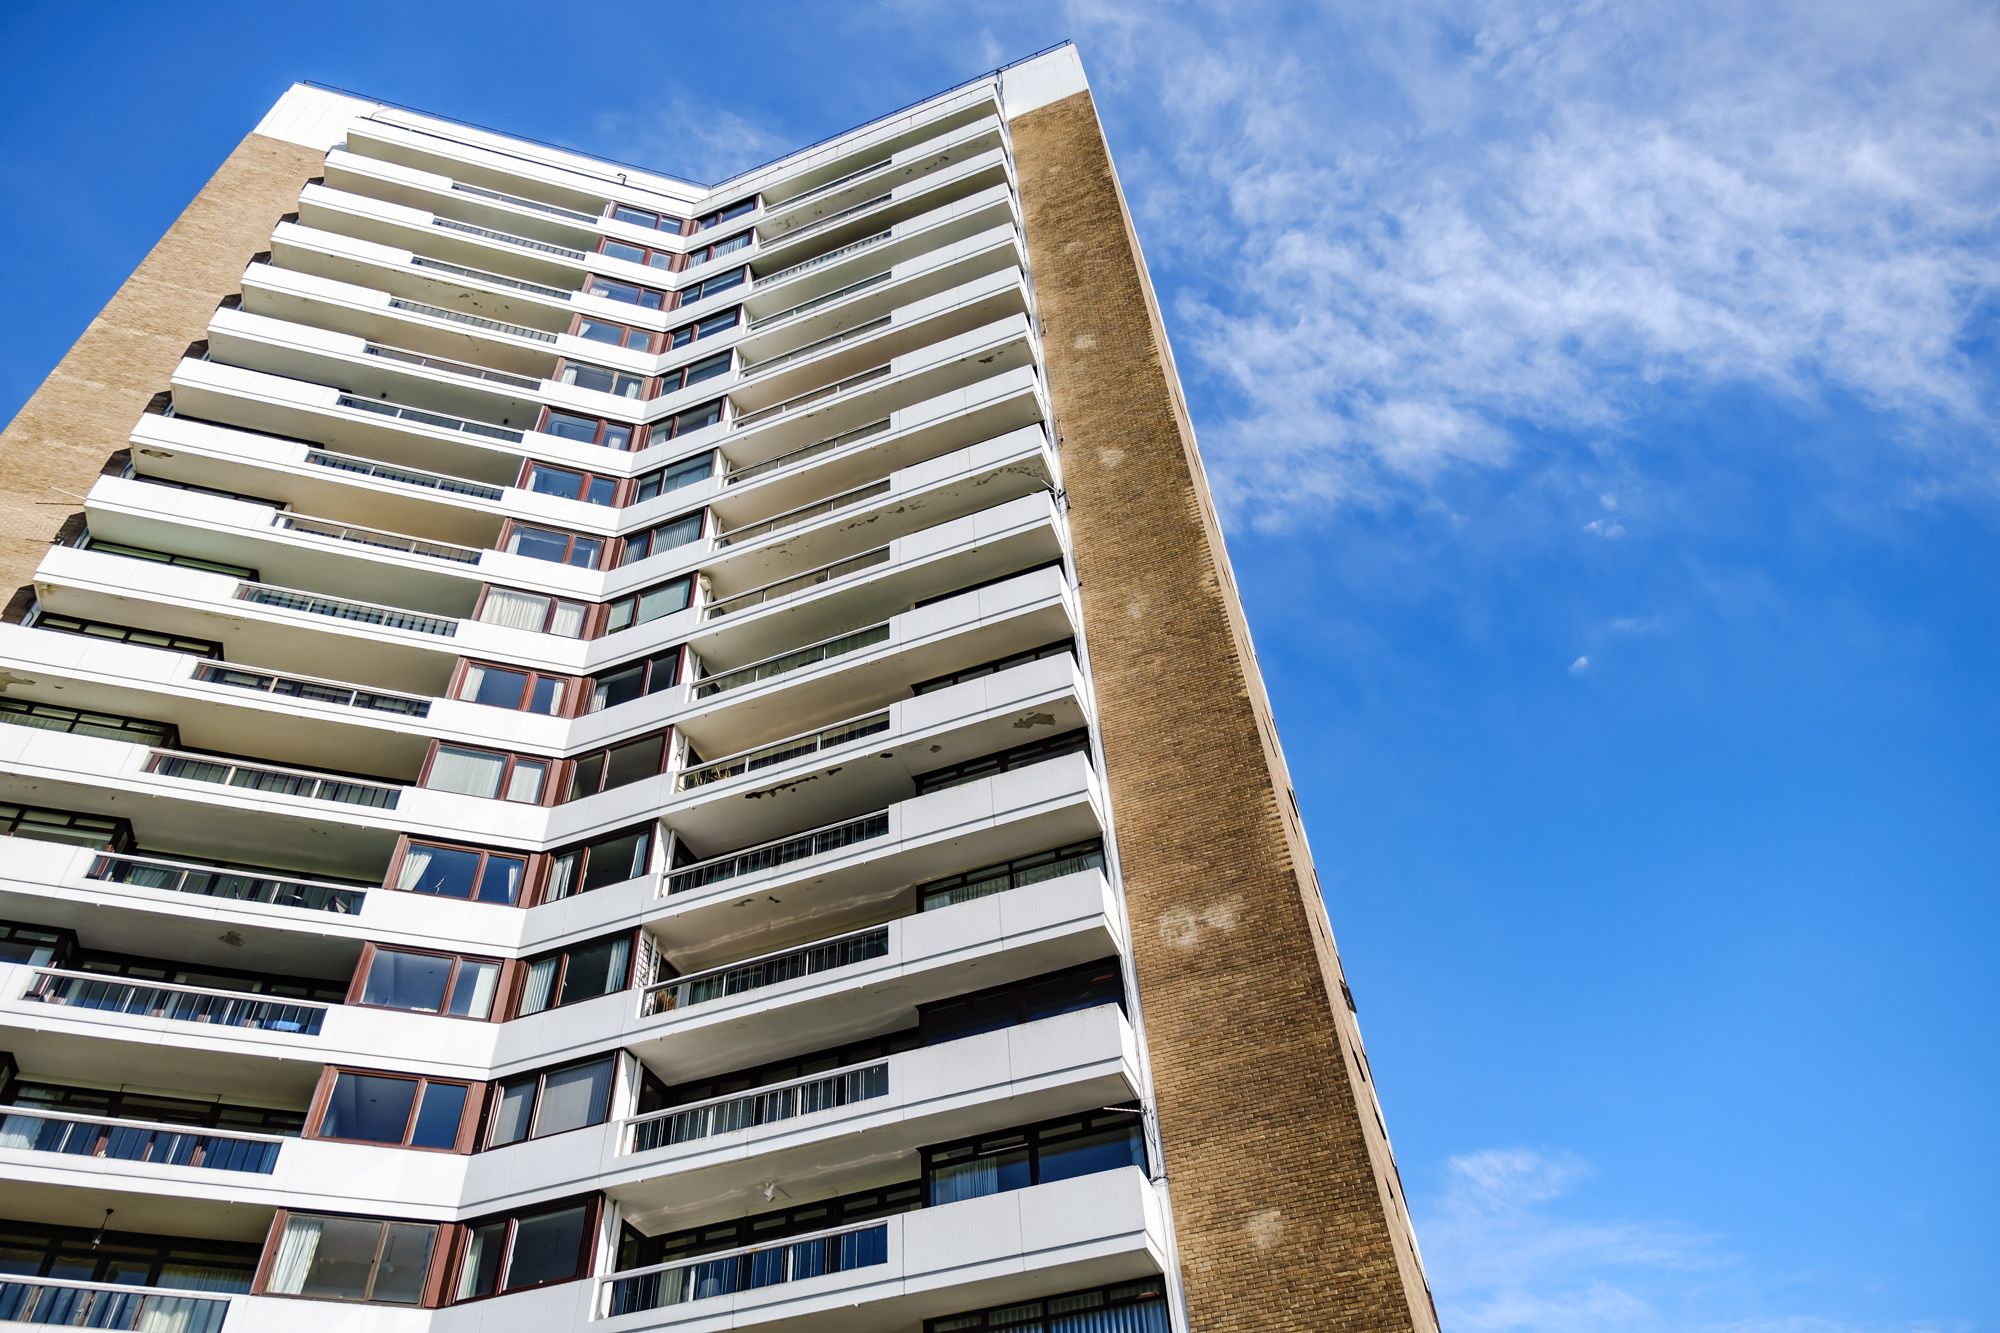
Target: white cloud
column 703, row 143
column 1610, row 529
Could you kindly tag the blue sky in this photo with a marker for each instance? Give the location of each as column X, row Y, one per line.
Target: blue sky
column 1603, row 403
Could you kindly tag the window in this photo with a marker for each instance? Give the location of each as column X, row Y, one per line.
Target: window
column 662, row 599
column 637, row 1250
column 1019, row 872
column 618, row 766
column 536, row 612
column 740, row 241
column 470, row 873
column 554, row 1101
column 1045, row 996
column 553, row 545
column 511, row 687
column 527, row 1250
column 1130, row 1307
column 614, row 335
column 1055, row 649
column 635, row 680
column 713, row 286
column 570, row 484
column 602, row 379
column 400, row 1110
column 588, row 430
column 144, row 638
column 90, row 543
column 1038, row 1155
column 612, row 290
column 122, row 1258
column 66, row 826
column 720, row 322
column 671, row 478
column 680, row 423
column 580, row 972
column 486, row 773
column 636, row 254
column 121, row 1105
column 686, row 377
column 351, row 1259
column 639, row 217
column 429, row 983
column 729, row 214
column 33, row 946
column 1021, row 756
column 663, row 537
column 611, row 860
column 79, row 722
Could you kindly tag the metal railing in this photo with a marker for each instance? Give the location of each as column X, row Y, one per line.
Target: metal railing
column 825, row 186
column 423, row 418
column 765, row 1106
column 778, row 752
column 839, row 252
column 507, row 238
column 555, row 210
column 821, row 224
column 154, row 872
column 35, row 1129
column 464, row 368
column 366, row 613
column 766, row 321
column 269, row 778
column 476, row 321
column 387, row 541
column 813, row 396
column 805, row 451
column 793, row 517
column 743, row 601
column 785, row 663
column 497, row 279
column 862, row 1245
column 769, row 970
column 817, row 346
column 183, row 1004
column 781, row 852
column 311, row 688
column 51, row 1302
column 436, row 481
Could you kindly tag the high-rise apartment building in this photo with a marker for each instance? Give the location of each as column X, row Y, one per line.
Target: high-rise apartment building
column 587, row 751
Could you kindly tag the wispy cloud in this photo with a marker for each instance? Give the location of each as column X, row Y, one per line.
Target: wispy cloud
column 705, row 144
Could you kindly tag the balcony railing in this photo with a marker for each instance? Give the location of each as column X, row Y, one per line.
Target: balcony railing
column 554, row 210
column 783, row 851
column 497, row 279
column 183, row 1004
column 757, row 973
column 48, row 1301
column 826, row 186
column 376, row 537
column 778, row 752
column 796, row 660
column 837, row 1251
column 153, row 872
column 422, row 418
column 821, row 224
column 765, row 1106
column 803, row 452
column 506, row 238
column 312, row 688
column 818, row 345
column 450, row 367
column 793, row 517
column 476, row 321
column 268, row 778
column 813, row 396
column 366, row 613
column 840, row 294
column 816, row 261
column 436, row 481
column 33, row 1129
column 743, row 601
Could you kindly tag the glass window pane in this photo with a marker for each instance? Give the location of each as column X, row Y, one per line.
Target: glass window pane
column 545, row 696
column 547, row 1248
column 635, row 760
column 538, row 544
column 493, row 685
column 567, row 426
column 331, row 1257
column 525, row 782
column 663, row 600
column 555, row 481
column 602, row 490
column 583, row 552
column 368, row 1107
column 620, row 686
column 438, row 1118
column 512, row 1113
column 574, row 1097
column 625, row 250
column 399, row 1279
column 616, row 436
column 407, row 981
column 479, row 1271
column 1104, row 1150
column 595, row 969
column 472, row 997
column 467, row 772
column 616, row 860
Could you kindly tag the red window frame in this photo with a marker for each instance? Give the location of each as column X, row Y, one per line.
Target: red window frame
column 651, row 256
column 589, row 774
column 706, row 327
column 681, row 422
column 461, row 1247
column 698, row 291
column 572, row 687
column 581, row 854
column 496, row 1006
column 470, row 1116
column 659, row 220
column 551, row 603
column 633, row 339
column 551, row 782
column 514, row 527
column 644, row 382
column 636, row 600
column 602, row 429
column 673, row 381
column 650, row 665
column 592, row 283
column 742, row 240
column 586, row 483
column 728, row 213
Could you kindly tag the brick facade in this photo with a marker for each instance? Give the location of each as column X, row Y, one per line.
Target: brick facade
column 83, row 412
column 1287, row 1213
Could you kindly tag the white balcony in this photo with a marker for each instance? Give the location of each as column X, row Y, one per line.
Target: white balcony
column 439, row 194
column 491, row 248
column 888, row 204
column 896, row 167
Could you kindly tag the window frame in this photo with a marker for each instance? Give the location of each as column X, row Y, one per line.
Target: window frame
column 646, row 339
column 540, row 1078
column 592, row 283
column 698, row 329
column 496, row 1004
column 582, row 854
column 391, row 878
column 513, row 527
column 561, row 981
column 712, row 285
column 614, row 208
column 742, row 240
column 649, row 662
column 650, row 533
column 553, row 601
column 654, row 257
column 729, row 212
column 464, row 1136
column 636, row 598
column 427, row 1297
column 587, row 477
column 658, row 477
column 674, row 426
column 1034, row 1138
column 646, row 384
column 635, row 432
column 550, row 779
column 677, row 379
column 593, row 1215
column 575, row 769
column 572, row 687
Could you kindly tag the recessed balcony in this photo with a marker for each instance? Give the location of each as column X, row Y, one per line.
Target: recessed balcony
column 898, row 168
column 491, row 248
column 885, row 205
column 941, row 229
column 441, row 195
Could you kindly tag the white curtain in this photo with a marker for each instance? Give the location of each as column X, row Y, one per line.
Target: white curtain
column 484, row 980
column 19, row 1131
column 470, row 772
column 568, row 620
column 1148, row 1318
column 562, row 877
column 415, row 862
column 296, row 1249
column 525, row 782
column 514, row 610
column 965, row 1180
column 541, row 981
